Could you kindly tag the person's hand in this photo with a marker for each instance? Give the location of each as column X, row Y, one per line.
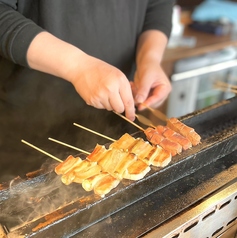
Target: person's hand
column 103, row 86
column 151, row 85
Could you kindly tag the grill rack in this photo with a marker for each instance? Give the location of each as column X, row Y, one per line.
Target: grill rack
column 78, row 214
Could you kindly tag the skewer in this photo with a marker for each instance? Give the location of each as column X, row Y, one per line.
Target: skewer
column 42, row 151
column 157, row 113
column 220, row 83
column 125, row 118
column 225, row 87
column 65, row 144
column 97, row 133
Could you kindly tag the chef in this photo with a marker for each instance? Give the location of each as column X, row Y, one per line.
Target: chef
column 64, row 61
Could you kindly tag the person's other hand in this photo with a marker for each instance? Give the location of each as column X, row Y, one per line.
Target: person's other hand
column 151, row 85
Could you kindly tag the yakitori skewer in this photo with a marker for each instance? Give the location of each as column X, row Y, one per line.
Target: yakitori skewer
column 154, row 155
column 225, row 86
column 156, row 138
column 89, row 174
column 125, row 118
column 110, row 160
column 70, row 146
column 42, row 151
column 94, row 132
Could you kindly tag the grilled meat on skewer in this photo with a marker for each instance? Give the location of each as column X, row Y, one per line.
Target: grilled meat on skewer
column 186, row 131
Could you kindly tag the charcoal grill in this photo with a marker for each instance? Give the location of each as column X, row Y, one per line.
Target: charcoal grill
column 170, row 202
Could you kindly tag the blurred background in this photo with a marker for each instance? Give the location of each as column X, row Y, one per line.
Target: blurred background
column 201, row 52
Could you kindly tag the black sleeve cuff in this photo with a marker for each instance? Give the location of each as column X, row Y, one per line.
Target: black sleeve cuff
column 16, row 34
column 159, row 16
column 21, row 43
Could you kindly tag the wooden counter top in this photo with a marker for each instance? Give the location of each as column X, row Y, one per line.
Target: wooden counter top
column 205, row 42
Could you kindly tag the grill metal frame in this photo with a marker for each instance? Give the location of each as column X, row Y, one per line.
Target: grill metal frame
column 217, row 125
column 211, row 218
column 145, row 217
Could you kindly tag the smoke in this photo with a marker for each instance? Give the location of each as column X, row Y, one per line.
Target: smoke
column 27, row 200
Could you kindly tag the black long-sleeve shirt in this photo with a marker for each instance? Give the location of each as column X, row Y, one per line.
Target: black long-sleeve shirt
column 107, row 29
column 34, row 104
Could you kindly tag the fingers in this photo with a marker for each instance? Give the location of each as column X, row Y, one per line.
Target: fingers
column 141, row 89
column 103, row 86
column 123, row 101
column 153, row 87
column 118, row 98
column 130, row 110
column 128, row 101
column 157, row 97
column 116, row 103
column 133, row 88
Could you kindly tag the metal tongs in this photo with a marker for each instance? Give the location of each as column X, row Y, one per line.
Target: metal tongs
column 144, row 120
column 157, row 113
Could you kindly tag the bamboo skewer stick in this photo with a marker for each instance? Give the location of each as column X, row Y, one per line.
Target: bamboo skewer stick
column 225, row 89
column 125, row 118
column 70, row 146
column 94, row 132
column 225, row 86
column 220, row 83
column 42, row 151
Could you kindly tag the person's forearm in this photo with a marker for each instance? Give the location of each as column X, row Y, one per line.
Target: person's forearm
column 151, row 46
column 151, row 86
column 51, row 55
column 100, row 84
